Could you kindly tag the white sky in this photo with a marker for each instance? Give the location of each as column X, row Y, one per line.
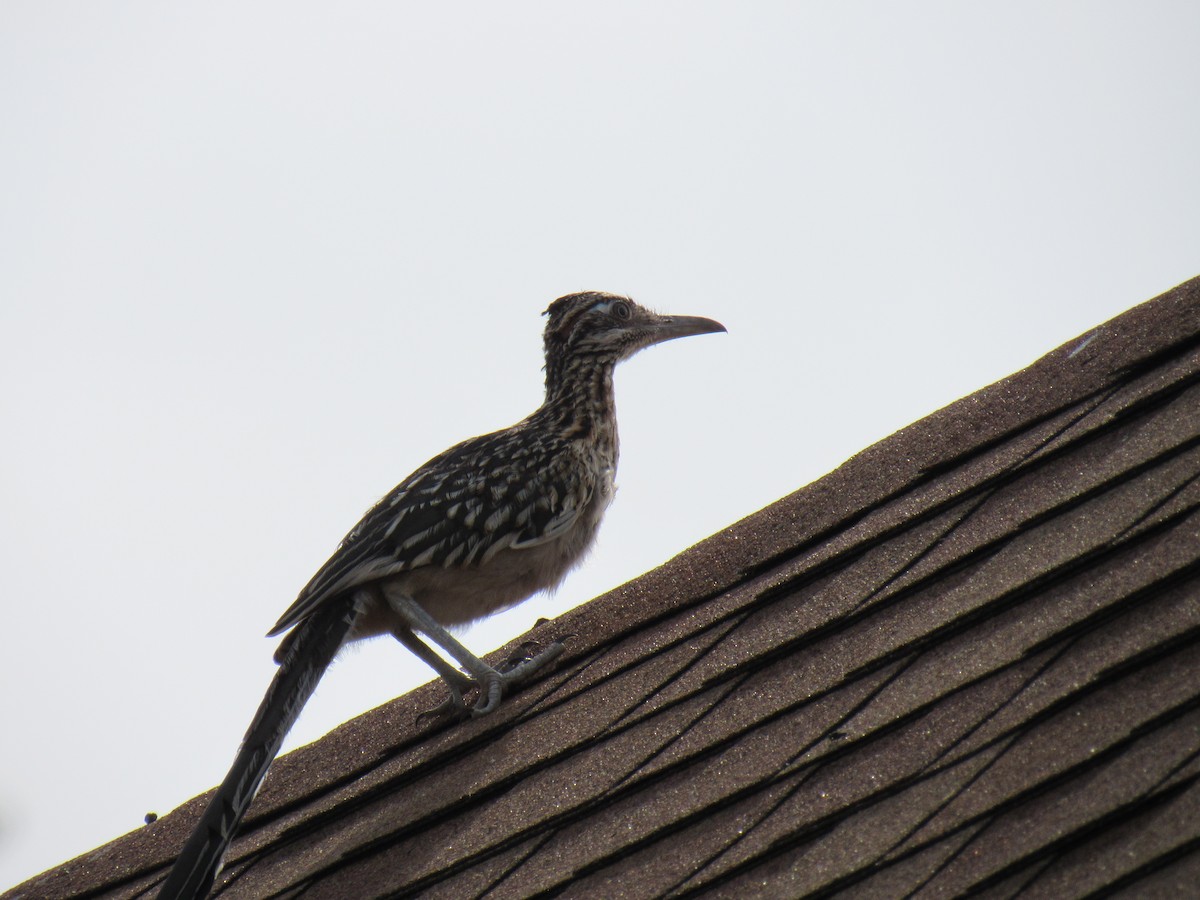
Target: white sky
column 258, row 261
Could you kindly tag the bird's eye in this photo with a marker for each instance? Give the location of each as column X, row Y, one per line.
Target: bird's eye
column 621, row 310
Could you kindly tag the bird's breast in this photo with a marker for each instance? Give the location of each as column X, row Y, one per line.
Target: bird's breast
column 457, row 595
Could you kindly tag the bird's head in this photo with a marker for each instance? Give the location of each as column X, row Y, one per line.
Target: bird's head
column 598, row 329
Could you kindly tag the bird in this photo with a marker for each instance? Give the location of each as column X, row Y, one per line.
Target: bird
column 477, row 529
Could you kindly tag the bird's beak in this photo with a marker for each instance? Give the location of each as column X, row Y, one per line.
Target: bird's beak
column 667, row 328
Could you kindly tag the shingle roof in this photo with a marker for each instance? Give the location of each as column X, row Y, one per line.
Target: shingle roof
column 966, row 661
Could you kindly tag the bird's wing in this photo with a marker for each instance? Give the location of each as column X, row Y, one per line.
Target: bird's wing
column 459, row 509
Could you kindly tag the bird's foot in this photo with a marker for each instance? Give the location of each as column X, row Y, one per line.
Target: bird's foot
column 491, row 684
column 458, row 684
column 495, row 683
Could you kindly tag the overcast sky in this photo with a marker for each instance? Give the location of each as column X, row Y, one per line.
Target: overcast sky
column 258, row 261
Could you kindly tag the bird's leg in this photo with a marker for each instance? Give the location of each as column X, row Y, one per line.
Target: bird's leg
column 491, row 682
column 456, row 681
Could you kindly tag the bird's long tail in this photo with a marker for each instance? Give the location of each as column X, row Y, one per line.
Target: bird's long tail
column 306, row 654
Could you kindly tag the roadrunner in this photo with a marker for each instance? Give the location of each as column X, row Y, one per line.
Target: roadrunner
column 475, row 530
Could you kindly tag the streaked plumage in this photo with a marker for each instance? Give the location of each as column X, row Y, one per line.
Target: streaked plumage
column 476, row 529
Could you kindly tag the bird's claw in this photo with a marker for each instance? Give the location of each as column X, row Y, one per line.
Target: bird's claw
column 491, row 685
column 497, row 682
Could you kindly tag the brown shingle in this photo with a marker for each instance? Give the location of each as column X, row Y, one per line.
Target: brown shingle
column 967, row 660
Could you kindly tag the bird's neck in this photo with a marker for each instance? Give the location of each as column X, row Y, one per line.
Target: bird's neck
column 582, row 405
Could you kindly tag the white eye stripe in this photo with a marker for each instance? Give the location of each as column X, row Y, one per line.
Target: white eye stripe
column 616, row 306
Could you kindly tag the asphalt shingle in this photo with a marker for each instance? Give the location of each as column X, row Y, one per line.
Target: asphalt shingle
column 966, row 661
